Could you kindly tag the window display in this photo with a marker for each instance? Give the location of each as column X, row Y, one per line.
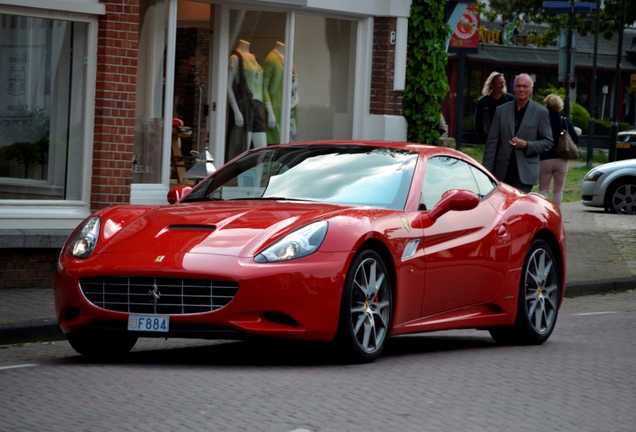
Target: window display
column 41, row 113
column 255, row 80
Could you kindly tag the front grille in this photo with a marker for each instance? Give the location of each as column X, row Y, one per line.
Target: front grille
column 173, row 296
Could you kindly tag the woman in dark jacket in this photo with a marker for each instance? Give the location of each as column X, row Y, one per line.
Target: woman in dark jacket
column 552, row 166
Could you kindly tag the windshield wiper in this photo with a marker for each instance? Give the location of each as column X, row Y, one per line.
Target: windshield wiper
column 200, row 199
column 269, row 198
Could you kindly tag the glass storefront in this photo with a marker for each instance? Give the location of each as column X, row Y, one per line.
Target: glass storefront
column 316, row 90
column 55, row 97
column 42, row 109
column 267, row 101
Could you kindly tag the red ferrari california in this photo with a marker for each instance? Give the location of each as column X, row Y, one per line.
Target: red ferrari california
column 347, row 242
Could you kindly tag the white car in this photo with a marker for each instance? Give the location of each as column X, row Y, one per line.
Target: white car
column 611, row 186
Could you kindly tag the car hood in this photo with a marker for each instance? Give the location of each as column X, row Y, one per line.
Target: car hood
column 237, row 228
column 613, row 166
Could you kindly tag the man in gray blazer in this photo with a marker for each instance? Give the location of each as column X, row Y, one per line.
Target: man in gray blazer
column 519, row 133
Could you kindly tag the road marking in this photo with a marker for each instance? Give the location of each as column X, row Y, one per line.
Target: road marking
column 594, row 313
column 17, row 366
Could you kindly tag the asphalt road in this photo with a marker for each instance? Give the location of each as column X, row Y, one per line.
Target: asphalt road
column 582, row 379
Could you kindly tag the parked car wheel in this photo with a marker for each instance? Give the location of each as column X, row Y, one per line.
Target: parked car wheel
column 621, row 197
column 366, row 309
column 101, row 345
column 538, row 303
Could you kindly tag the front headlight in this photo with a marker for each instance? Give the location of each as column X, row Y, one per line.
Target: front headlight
column 593, row 175
column 85, row 240
column 300, row 243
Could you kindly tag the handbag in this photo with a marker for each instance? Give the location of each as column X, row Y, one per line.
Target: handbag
column 566, row 148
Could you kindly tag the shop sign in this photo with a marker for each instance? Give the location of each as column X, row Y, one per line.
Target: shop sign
column 466, row 31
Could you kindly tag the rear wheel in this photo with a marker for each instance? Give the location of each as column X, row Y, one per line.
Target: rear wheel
column 621, row 197
column 366, row 308
column 538, row 304
column 101, row 345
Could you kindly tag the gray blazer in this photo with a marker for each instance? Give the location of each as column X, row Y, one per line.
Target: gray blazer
column 535, row 129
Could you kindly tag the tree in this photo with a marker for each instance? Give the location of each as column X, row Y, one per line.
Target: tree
column 426, row 81
column 533, row 10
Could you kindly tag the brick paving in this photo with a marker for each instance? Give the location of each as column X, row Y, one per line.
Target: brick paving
column 582, row 380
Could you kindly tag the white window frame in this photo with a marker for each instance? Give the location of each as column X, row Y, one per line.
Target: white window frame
column 60, row 214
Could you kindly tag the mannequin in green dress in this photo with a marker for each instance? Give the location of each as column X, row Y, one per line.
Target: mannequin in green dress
column 273, row 70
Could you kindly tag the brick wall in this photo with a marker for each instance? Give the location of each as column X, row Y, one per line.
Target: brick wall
column 117, row 53
column 28, row 268
column 383, row 99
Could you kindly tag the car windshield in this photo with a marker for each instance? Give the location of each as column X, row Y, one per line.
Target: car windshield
column 345, row 174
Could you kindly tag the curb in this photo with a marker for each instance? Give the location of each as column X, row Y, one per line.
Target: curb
column 34, row 331
column 578, row 289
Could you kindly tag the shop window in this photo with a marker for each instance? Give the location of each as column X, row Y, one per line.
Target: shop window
column 192, row 70
column 42, row 107
column 148, row 146
column 321, row 81
column 322, row 95
column 255, row 80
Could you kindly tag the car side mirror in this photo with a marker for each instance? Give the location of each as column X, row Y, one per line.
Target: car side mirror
column 452, row 200
column 177, row 193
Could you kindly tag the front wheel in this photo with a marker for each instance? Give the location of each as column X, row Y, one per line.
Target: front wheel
column 621, row 198
column 101, row 345
column 538, row 304
column 366, row 308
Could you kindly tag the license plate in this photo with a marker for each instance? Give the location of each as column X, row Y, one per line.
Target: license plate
column 623, row 145
column 148, row 323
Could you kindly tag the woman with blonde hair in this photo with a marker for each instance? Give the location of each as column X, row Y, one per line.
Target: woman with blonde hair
column 494, row 93
column 552, row 166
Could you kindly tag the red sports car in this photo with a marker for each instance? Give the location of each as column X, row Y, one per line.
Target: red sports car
column 350, row 242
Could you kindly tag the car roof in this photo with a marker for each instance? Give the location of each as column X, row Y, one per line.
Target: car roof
column 425, row 149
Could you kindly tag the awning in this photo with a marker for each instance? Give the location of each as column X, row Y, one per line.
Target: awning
column 526, row 55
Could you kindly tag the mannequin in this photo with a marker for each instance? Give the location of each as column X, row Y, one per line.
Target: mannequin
column 273, row 93
column 245, row 97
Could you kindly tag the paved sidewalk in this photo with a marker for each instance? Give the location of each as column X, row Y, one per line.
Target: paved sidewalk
column 601, row 257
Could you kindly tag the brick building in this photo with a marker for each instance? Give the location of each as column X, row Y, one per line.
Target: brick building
column 89, row 85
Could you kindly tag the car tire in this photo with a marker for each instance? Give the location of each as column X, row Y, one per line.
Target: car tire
column 101, row 345
column 621, row 197
column 366, row 309
column 538, row 302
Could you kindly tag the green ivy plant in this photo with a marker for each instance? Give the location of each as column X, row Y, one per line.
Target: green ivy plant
column 426, row 80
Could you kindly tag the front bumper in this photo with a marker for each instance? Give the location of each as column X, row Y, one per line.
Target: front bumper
column 591, row 195
column 297, row 299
